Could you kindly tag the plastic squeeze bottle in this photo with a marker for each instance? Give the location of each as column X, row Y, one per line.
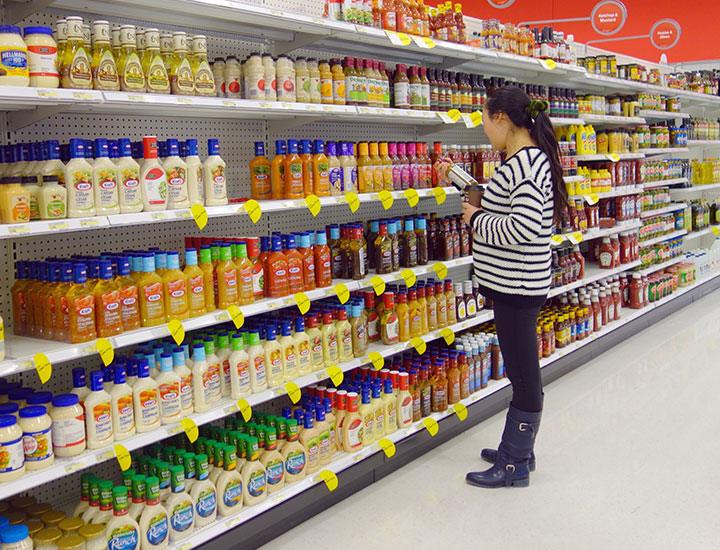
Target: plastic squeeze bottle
column 169, row 388
column 239, row 369
column 105, row 180
column 180, row 506
column 214, row 176
column 229, row 484
column 98, row 417
column 154, row 521
column 186, row 381
column 203, row 493
column 254, row 475
column 145, row 400
column 195, row 186
column 153, row 179
column 122, row 531
column 176, row 172
column 121, row 397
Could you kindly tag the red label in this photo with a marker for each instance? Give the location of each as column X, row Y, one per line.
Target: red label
column 154, row 174
column 665, row 34
column 608, row 17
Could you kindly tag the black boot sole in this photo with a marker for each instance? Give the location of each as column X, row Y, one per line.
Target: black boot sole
column 523, row 482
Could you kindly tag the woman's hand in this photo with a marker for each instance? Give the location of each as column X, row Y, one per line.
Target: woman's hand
column 468, row 210
column 443, row 167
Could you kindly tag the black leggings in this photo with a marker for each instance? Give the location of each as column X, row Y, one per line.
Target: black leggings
column 516, row 324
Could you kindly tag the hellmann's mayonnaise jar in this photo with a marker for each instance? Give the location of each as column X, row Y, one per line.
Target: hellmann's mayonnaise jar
column 11, row 449
column 13, row 57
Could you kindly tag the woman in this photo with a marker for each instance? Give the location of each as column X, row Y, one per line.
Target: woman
column 512, row 263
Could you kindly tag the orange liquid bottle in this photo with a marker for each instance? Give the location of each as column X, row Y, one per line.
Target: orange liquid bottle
column 265, row 250
column 129, row 304
column 277, row 171
column 175, row 284
column 276, row 271
column 227, row 278
column 108, row 318
column 258, row 271
column 150, row 287
column 389, row 20
column 81, row 307
column 38, row 271
column 48, row 308
column 245, row 275
column 19, row 298
column 62, row 314
column 294, row 188
column 323, row 260
column 460, row 24
column 321, row 170
column 306, row 251
column 205, row 264
column 196, row 283
column 306, row 157
column 295, row 262
column 260, row 174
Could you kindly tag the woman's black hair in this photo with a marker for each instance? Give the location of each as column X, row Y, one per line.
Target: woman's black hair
column 532, row 115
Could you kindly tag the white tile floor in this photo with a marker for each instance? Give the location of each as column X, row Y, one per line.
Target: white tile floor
column 627, row 458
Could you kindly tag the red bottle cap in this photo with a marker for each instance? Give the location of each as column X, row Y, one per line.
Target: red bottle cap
column 395, row 376
column 404, row 381
column 253, row 247
column 341, row 400
column 352, row 402
column 150, row 147
column 389, row 300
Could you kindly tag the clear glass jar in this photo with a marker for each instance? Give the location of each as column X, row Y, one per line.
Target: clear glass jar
column 16, row 537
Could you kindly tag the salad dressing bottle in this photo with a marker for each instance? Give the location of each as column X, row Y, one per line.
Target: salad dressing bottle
column 154, row 521
column 195, row 185
column 273, row 462
column 277, row 171
column 137, row 492
column 153, row 180
column 310, row 439
column 294, row 188
column 294, row 454
column 227, row 278
column 390, row 408
column 132, row 76
column 195, row 284
column 260, row 167
column 223, row 354
column 103, row 65
column 214, row 370
column 81, row 307
column 302, row 346
column 150, row 286
column 288, row 347
column 98, row 417
column 254, row 475
column 105, row 179
column 344, row 336
column 306, row 157
column 180, row 506
column 176, row 174
column 352, row 425
column 229, row 484
column 184, row 374
column 239, row 369
column 202, row 388
column 128, row 179
column 367, row 413
column 246, row 293
column 256, row 359
column 182, row 81
column 108, row 311
column 156, row 76
column 121, row 401
column 146, row 400
column 317, row 358
column 175, row 285
column 209, row 277
column 329, row 336
column 214, row 176
column 79, row 178
column 273, row 358
column 203, row 493
column 122, row 531
column 76, row 68
column 320, row 170
column 169, row 389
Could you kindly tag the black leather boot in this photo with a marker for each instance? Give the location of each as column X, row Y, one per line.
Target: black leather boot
column 490, row 455
column 511, row 468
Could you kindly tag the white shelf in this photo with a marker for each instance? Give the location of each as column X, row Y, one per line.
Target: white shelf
column 593, row 274
column 225, row 407
column 573, row 178
column 622, row 156
column 618, row 192
column 14, row 231
column 650, row 114
column 668, row 237
column 695, row 189
column 20, row 349
column 663, row 183
column 664, row 210
column 658, row 267
column 665, row 150
column 703, row 232
column 612, row 119
column 562, row 121
column 703, row 142
column 596, row 234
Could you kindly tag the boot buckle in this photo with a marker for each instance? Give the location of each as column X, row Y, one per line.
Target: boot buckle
column 524, row 426
column 509, row 474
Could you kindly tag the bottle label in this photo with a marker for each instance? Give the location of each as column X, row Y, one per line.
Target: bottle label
column 106, row 75
column 41, row 60
column 402, row 94
column 124, row 411
column 406, row 410
column 339, row 89
column 177, row 297
column 218, row 187
column 206, row 503
column 130, row 187
column 133, row 77
column 177, row 190
column 152, row 294
column 260, row 374
column 66, row 433
column 84, row 314
column 169, row 400
column 129, row 306
column 79, row 71
column 257, row 483
column 110, row 313
column 295, row 462
column 155, row 183
column 275, row 471
column 186, row 398
column 255, row 86
column 276, row 366
column 204, row 80
column 148, row 407
column 157, row 77
column 82, row 195
column 182, row 516
column 215, row 382
column 232, row 496
column 183, row 81
column 37, row 446
column 126, row 537
column 12, row 455
column 157, row 530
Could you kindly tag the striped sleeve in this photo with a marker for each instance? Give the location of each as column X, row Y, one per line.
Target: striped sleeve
column 523, row 225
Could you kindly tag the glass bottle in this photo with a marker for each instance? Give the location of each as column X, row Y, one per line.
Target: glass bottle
column 76, row 65
column 156, row 75
column 104, row 69
column 203, row 78
column 132, row 77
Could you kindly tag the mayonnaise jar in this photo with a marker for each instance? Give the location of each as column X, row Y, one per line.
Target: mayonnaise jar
column 13, row 57
column 37, row 437
column 11, row 446
column 68, row 425
column 42, row 57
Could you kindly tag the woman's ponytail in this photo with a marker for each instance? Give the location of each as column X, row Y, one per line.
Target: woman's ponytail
column 532, row 114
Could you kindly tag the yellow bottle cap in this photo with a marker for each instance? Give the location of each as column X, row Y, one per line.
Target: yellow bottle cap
column 363, row 149
column 374, row 148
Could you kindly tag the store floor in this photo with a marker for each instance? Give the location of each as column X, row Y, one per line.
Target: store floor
column 627, row 458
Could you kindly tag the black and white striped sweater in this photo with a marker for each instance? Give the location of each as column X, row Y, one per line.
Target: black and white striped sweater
column 511, row 248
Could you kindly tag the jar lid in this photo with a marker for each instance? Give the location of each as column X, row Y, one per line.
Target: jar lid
column 91, row 530
column 49, row 535
column 34, row 525
column 13, row 534
column 37, row 510
column 69, row 525
column 69, row 542
column 65, row 400
column 53, row 517
column 32, row 412
column 38, row 30
column 39, row 398
column 17, row 516
column 21, row 503
column 8, row 408
column 14, row 29
column 7, row 420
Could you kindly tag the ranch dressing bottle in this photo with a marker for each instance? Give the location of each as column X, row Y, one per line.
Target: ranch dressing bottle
column 214, row 176
column 180, row 506
column 153, row 180
column 105, row 180
column 253, row 474
column 154, row 521
column 122, row 532
column 229, row 484
column 176, row 172
column 203, row 493
column 78, row 180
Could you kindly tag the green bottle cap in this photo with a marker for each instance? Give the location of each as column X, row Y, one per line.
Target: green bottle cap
column 85, row 485
column 127, row 476
column 237, row 343
column 177, row 479
column 119, row 498
column 292, row 429
column 218, row 452
column 252, row 449
column 251, row 429
column 145, row 464
column 189, row 466
column 95, row 489
column 224, row 341
column 201, row 466
column 152, row 490
column 164, row 475
column 200, row 444
column 205, row 257
column 242, row 446
column 138, row 488
column 167, row 453
column 282, row 428
column 261, row 436
column 272, row 421
column 270, row 439
column 229, row 458
column 179, row 457
column 230, row 423
column 210, row 450
column 106, row 493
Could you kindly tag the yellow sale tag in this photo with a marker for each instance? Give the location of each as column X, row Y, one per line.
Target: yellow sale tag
column 476, row 118
column 177, row 331
column 419, row 344
column 440, row 269
column 387, row 446
column 386, row 199
column 557, row 239
column 448, row 335
column 82, row 95
column 342, row 292
column 43, row 93
column 460, row 411
column 237, row 316
column 353, row 201
column 412, row 197
column 200, row 216
column 377, row 360
column 2, row 332
column 43, row 367
column 245, row 409
column 613, row 157
column 136, row 98
column 191, row 429
column 303, row 302
column 105, row 349
column 440, row 194
column 252, row 207
column 293, row 391
column 409, row 277
column 313, row 204
column 549, row 64
column 715, row 231
column 429, row 42
column 431, row 425
column 335, row 374
column 378, row 284
column 592, row 198
column 576, row 237
column 454, row 114
column 330, row 479
column 123, row 457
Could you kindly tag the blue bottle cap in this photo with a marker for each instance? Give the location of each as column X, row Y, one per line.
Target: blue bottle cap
column 101, row 148
column 213, row 147
column 79, row 273
column 191, row 147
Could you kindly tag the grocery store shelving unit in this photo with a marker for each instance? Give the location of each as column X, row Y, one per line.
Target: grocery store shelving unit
column 703, row 142
column 576, row 237
column 657, row 267
column 618, row 192
column 664, row 210
column 665, row 150
column 663, row 183
column 694, row 189
column 663, row 238
column 234, row 27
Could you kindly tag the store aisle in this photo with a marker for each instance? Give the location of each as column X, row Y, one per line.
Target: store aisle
column 627, row 458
